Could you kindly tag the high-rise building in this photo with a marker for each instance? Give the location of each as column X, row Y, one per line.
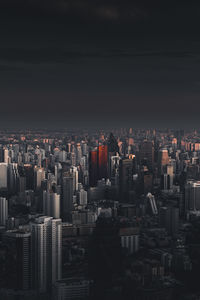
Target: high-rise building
column 126, row 172
column 84, row 147
column 98, row 164
column 78, row 153
column 29, row 174
column 3, row 175
column 82, row 197
column 6, row 156
column 93, row 167
column 74, row 173
column 167, row 178
column 67, row 196
column 169, row 219
column 51, row 204
column 192, row 195
column 102, row 161
column 163, row 160
column 13, row 176
column 113, row 147
column 46, row 249
column 147, row 154
column 152, row 203
column 39, row 176
column 114, row 169
column 3, row 211
column 174, row 143
column 18, row 260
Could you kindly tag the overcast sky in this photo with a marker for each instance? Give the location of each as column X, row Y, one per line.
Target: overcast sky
column 99, row 63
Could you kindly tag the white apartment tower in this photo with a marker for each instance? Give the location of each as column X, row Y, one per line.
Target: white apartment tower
column 46, row 235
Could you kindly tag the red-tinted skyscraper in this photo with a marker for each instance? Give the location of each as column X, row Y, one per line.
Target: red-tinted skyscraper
column 93, row 167
column 102, row 161
column 98, row 164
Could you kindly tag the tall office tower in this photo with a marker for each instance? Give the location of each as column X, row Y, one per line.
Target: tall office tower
column 169, row 219
column 126, row 172
column 192, row 195
column 39, row 175
column 21, row 184
column 73, row 158
column 84, row 163
column 78, row 153
column 62, row 156
column 51, row 204
column 1, row 153
column 11, row 155
column 163, row 159
column 3, row 175
column 165, row 182
column 13, row 177
column 67, row 196
column 102, row 161
column 147, row 180
column 167, row 178
column 112, row 145
column 152, row 202
column 114, row 169
column 93, row 168
column 84, row 147
column 147, row 154
column 82, row 197
column 58, row 171
column 156, row 149
column 174, row 143
column 3, row 211
column 69, row 146
column 29, row 174
column 46, row 244
column 6, row 156
column 18, row 260
column 74, row 173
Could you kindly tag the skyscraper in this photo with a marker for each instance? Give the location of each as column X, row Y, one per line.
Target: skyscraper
column 39, row 176
column 3, row 175
column 102, row 161
column 46, row 244
column 74, row 173
column 13, row 176
column 169, row 219
column 192, row 195
column 147, row 154
column 6, row 156
column 93, row 167
column 126, row 172
column 51, row 204
column 163, row 159
column 67, row 196
column 18, row 260
column 152, row 203
column 98, row 164
column 3, row 210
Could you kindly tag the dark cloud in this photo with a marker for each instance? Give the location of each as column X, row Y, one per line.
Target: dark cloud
column 125, row 10
column 95, row 60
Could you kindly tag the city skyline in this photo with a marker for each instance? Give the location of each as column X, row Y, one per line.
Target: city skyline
column 99, row 150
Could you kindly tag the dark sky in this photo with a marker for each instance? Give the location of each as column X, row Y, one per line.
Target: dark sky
column 99, row 63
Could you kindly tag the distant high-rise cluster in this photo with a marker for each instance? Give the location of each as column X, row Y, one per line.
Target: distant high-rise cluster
column 91, row 214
